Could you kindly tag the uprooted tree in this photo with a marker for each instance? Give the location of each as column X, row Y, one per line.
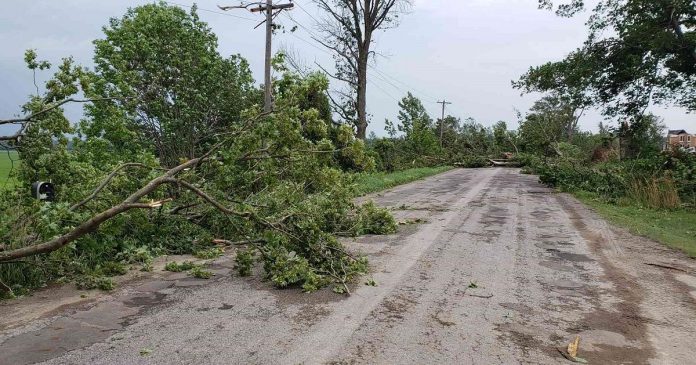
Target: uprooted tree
column 164, row 163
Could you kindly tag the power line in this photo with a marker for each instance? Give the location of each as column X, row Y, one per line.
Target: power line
column 330, row 54
column 211, row 11
column 306, row 12
column 383, row 91
column 384, row 77
column 380, row 74
column 311, row 44
column 404, row 84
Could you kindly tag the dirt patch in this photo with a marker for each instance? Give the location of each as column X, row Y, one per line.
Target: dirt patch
column 573, row 257
column 625, row 319
column 308, row 315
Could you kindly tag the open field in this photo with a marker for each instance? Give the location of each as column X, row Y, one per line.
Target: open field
column 674, row 228
column 6, row 163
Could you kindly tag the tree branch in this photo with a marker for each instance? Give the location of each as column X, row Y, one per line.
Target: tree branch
column 130, row 203
column 106, row 182
column 54, row 106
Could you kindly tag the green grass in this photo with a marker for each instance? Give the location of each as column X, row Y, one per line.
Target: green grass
column 674, row 228
column 373, row 182
column 5, row 167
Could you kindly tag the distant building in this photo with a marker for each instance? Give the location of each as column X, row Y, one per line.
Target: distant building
column 680, row 137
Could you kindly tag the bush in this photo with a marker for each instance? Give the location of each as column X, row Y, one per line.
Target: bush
column 663, row 181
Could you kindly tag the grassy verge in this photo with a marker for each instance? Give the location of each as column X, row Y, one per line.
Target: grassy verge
column 674, row 228
column 6, row 161
column 370, row 183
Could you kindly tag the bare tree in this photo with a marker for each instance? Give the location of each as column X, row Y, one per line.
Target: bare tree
column 348, row 30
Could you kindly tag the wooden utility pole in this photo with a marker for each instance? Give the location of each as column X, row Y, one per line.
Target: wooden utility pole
column 268, row 96
column 267, row 8
column 442, row 121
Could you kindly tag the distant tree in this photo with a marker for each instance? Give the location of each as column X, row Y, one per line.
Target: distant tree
column 349, row 30
column 412, row 112
column 450, row 131
column 505, row 140
column 417, row 127
column 642, row 138
column 638, row 52
column 475, row 139
column 550, row 121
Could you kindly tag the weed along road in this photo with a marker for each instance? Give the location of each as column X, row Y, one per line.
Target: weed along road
column 488, row 267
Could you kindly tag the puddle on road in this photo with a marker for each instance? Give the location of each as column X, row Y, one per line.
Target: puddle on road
column 68, row 333
column 574, row 257
column 83, row 327
column 555, row 265
column 148, row 300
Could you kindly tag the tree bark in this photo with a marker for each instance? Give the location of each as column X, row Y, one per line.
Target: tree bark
column 361, row 123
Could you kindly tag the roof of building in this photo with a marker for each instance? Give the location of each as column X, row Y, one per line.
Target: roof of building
column 677, row 131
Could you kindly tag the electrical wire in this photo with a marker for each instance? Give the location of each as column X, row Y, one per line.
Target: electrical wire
column 211, row 11
column 384, row 77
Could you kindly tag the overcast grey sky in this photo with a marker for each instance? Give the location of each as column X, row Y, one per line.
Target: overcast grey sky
column 466, row 51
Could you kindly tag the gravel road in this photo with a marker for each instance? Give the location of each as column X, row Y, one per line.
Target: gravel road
column 488, row 267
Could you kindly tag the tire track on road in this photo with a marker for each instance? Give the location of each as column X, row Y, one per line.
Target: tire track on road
column 326, row 338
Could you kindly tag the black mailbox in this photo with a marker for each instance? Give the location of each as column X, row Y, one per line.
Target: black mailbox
column 44, row 191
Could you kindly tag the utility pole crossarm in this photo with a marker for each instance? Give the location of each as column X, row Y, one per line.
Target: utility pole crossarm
column 273, row 7
column 267, row 7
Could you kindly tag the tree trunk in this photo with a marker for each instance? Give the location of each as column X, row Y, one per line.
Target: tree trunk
column 361, row 123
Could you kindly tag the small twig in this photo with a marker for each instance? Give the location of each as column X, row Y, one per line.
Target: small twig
column 238, row 243
column 666, row 267
column 6, row 288
column 489, row 296
column 178, row 209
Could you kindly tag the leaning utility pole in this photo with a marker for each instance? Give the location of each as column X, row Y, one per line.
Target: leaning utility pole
column 268, row 7
column 442, row 121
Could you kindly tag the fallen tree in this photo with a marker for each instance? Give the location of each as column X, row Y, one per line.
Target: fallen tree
column 272, row 183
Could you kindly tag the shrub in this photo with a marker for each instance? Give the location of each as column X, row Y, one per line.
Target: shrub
column 111, row 268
